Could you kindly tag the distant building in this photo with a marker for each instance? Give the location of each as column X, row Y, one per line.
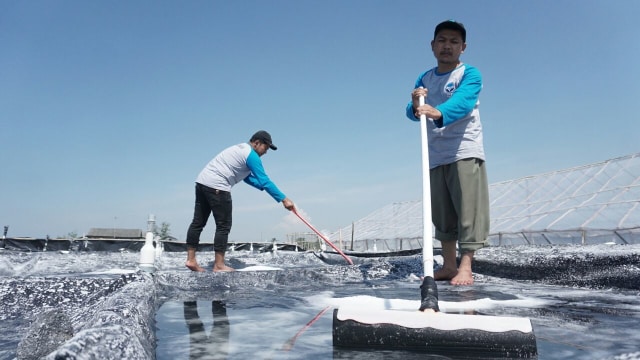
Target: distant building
column 113, row 233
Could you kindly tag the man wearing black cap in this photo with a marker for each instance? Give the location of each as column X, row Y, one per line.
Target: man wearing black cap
column 459, row 188
column 213, row 194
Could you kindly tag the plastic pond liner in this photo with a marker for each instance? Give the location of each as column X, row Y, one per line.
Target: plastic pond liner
column 583, row 302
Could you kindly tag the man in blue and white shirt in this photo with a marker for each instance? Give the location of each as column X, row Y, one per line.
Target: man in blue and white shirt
column 236, row 163
column 459, row 188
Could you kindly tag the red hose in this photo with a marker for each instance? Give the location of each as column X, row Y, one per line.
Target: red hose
column 289, row 344
column 295, row 211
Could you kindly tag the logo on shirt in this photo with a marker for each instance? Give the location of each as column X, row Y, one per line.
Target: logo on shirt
column 450, row 88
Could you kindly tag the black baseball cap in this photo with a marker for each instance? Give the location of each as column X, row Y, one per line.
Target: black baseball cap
column 265, row 138
column 451, row 25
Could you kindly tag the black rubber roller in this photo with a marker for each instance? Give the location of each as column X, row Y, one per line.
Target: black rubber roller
column 434, row 333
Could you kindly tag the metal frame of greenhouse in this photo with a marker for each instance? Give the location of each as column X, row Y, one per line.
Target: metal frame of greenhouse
column 590, row 204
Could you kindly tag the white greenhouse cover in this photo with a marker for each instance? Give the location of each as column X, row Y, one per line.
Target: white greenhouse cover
column 593, row 203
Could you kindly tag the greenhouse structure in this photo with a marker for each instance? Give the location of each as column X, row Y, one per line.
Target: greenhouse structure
column 591, row 204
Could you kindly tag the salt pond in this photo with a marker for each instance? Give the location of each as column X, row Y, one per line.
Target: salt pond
column 282, row 309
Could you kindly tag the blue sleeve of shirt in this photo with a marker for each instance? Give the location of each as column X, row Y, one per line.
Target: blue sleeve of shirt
column 464, row 98
column 259, row 179
column 462, row 101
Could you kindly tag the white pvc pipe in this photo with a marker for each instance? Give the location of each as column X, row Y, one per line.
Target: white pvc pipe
column 427, row 241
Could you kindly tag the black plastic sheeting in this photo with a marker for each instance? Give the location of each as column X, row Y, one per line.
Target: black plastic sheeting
column 596, row 267
column 88, row 305
column 80, row 318
column 119, row 245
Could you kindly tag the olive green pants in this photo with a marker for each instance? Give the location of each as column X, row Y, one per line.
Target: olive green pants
column 460, row 203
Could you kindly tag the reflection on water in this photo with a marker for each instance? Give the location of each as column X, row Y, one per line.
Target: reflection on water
column 203, row 346
column 214, row 330
column 242, row 329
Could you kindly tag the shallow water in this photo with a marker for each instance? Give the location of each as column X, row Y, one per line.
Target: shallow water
column 284, row 312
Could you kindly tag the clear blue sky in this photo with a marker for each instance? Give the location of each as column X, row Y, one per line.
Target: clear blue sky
column 109, row 109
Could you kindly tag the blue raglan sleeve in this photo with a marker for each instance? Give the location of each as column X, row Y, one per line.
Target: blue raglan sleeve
column 464, row 98
column 259, row 179
column 409, row 109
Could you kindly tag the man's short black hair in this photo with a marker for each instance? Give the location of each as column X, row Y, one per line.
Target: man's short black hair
column 451, row 25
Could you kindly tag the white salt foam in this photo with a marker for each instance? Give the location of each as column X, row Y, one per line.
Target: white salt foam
column 259, row 268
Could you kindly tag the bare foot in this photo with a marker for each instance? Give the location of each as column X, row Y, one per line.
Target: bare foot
column 428, row 311
column 223, row 268
column 445, row 274
column 464, row 277
column 193, row 266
